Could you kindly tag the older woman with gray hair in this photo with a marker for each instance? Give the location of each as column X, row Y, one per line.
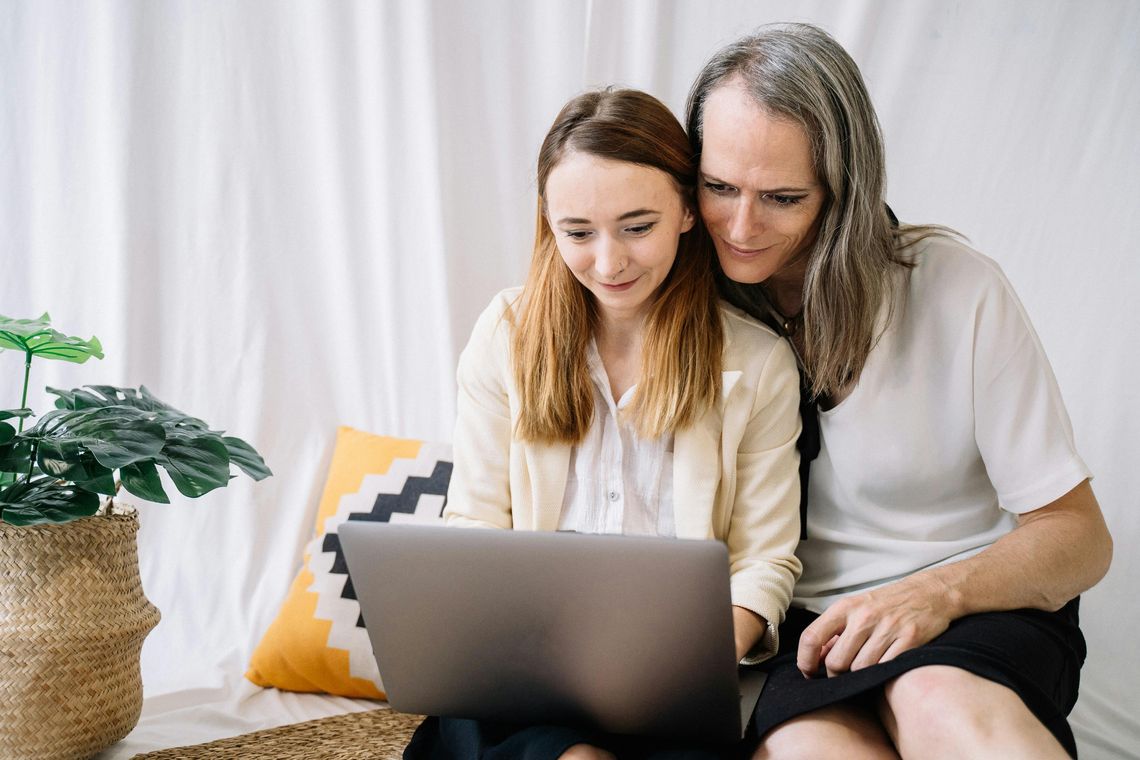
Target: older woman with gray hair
column 950, row 526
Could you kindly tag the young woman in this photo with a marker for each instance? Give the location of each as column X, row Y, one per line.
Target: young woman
column 950, row 523
column 612, row 393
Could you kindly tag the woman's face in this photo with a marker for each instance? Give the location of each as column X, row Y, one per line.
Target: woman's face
column 759, row 194
column 617, row 226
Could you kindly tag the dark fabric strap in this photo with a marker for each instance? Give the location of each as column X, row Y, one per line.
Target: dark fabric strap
column 751, row 300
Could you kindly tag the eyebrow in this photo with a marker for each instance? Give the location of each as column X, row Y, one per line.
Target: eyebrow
column 771, row 191
column 622, row 218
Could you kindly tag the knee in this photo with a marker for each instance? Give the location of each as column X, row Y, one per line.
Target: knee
column 941, row 711
column 836, row 731
column 586, row 752
column 791, row 741
column 940, row 701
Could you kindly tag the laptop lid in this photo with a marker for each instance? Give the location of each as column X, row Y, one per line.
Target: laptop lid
column 628, row 635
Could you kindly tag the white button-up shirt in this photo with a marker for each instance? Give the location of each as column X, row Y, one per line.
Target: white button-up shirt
column 618, row 481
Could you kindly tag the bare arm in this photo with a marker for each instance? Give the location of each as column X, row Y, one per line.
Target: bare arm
column 1054, row 553
column 748, row 628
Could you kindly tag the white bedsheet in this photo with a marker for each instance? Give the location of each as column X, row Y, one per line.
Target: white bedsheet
column 194, row 716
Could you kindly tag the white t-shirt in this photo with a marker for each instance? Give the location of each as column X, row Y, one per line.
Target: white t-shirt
column 955, row 426
column 618, row 482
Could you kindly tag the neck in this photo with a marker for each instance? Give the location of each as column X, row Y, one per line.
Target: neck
column 786, row 295
column 619, row 347
column 785, row 288
column 618, row 330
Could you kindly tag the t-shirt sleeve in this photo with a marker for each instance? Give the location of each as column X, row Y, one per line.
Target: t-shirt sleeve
column 1020, row 422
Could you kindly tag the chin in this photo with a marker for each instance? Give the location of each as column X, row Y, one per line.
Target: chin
column 747, row 274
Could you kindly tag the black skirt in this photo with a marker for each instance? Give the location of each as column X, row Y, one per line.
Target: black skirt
column 455, row 738
column 1037, row 654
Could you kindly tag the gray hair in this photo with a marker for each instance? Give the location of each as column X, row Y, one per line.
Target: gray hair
column 799, row 72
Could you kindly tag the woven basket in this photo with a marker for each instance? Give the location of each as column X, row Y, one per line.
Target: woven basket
column 373, row 735
column 72, row 622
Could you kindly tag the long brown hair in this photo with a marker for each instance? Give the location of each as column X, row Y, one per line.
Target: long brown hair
column 556, row 316
column 799, row 72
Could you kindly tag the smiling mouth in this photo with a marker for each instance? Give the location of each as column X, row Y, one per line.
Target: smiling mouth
column 619, row 287
column 744, row 253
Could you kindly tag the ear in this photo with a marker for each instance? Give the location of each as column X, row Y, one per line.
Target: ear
column 688, row 220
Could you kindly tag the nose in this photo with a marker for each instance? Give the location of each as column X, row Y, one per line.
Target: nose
column 744, row 223
column 610, row 258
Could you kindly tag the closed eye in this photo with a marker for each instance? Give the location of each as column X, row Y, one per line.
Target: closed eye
column 784, row 200
column 578, row 235
column 718, row 188
column 641, row 229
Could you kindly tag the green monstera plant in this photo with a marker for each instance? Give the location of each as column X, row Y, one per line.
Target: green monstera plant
column 101, row 438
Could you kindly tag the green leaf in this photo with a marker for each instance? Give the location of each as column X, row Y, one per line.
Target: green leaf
column 66, row 460
column 95, row 396
column 193, row 472
column 103, row 483
column 7, row 432
column 36, row 336
column 115, row 435
column 197, row 462
column 75, row 399
column 246, row 457
column 14, row 332
column 16, row 456
column 141, row 479
column 60, row 459
column 45, row 501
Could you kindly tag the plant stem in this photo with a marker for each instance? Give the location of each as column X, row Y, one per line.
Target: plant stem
column 24, row 395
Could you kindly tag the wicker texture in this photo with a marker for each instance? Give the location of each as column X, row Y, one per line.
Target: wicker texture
column 72, row 622
column 372, row 735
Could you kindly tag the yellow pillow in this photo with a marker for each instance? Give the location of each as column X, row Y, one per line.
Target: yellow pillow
column 318, row 643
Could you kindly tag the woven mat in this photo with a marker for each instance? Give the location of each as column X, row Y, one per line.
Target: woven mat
column 371, row 735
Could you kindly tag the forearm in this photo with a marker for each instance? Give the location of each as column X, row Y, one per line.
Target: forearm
column 748, row 628
column 1053, row 555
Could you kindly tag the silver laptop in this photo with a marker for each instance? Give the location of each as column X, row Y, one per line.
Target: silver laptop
column 627, row 635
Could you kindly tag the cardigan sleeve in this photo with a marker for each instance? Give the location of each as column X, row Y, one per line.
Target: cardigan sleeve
column 764, row 528
column 479, row 492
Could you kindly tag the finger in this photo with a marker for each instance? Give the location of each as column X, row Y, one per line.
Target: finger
column 900, row 645
column 827, row 647
column 873, row 649
column 850, row 643
column 822, row 630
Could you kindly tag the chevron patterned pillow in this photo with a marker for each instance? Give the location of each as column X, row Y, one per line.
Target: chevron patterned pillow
column 318, row 643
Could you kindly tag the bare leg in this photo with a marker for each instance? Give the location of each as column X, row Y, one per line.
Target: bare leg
column 586, row 752
column 838, row 731
column 940, row 711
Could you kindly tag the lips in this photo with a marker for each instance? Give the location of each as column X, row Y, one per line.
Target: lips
column 619, row 287
column 743, row 253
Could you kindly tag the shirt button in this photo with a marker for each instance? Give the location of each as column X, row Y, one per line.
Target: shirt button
column 614, row 495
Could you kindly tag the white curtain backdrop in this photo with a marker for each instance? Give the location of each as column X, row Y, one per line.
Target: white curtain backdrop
column 283, row 216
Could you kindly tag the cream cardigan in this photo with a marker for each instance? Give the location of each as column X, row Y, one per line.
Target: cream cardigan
column 735, row 476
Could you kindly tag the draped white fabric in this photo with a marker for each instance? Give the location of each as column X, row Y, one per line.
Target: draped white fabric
column 284, row 216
